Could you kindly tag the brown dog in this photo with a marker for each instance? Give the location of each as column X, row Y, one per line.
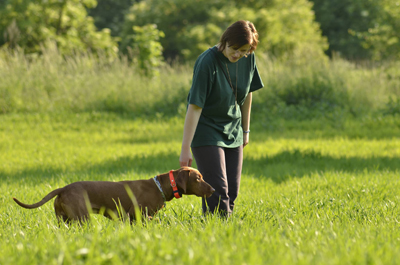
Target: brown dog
column 111, row 198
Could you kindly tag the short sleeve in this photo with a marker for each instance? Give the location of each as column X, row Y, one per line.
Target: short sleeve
column 256, row 82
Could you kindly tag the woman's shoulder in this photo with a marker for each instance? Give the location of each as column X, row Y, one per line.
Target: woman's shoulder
column 206, row 60
column 251, row 57
column 248, row 61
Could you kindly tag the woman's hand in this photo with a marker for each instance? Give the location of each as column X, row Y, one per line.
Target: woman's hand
column 246, row 139
column 186, row 159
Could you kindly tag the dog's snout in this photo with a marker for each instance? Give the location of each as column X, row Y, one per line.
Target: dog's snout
column 211, row 191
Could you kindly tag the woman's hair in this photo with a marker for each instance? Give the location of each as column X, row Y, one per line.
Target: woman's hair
column 238, row 34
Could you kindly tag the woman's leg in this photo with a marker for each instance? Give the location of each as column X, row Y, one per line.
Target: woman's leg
column 221, row 168
column 210, row 162
column 234, row 162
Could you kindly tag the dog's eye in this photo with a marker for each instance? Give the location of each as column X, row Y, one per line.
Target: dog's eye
column 198, row 179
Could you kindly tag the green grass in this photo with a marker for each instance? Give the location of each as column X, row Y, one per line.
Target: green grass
column 313, row 192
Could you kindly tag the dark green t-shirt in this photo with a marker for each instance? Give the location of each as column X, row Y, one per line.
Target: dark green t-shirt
column 220, row 122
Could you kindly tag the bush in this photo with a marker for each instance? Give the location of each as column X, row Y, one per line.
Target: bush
column 392, row 107
column 312, row 89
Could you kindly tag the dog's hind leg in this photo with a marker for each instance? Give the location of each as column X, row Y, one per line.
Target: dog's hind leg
column 60, row 213
column 71, row 209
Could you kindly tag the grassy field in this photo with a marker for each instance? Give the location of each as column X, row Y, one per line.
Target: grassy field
column 313, row 192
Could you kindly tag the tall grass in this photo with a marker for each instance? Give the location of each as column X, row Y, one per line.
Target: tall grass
column 85, row 82
column 328, row 89
column 294, row 90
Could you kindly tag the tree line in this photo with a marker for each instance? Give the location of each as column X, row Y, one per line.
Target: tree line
column 151, row 31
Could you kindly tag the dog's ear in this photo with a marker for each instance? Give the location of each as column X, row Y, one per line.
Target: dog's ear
column 182, row 179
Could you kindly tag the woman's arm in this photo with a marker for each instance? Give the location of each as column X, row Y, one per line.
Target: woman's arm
column 246, row 109
column 192, row 119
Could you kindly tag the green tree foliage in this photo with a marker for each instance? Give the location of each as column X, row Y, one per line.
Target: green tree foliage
column 31, row 24
column 360, row 29
column 144, row 48
column 110, row 14
column 285, row 26
column 383, row 39
column 175, row 18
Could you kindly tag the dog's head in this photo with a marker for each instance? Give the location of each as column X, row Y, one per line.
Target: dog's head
column 190, row 181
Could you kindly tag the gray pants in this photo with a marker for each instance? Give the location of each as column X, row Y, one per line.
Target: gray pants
column 221, row 168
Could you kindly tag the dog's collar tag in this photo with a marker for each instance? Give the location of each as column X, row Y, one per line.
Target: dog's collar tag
column 173, row 185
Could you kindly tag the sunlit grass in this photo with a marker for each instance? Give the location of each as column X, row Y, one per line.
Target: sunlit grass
column 328, row 199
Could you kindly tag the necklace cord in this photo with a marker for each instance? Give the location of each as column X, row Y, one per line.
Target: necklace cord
column 226, row 76
column 230, row 81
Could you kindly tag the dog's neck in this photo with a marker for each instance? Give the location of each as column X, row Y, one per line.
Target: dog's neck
column 166, row 186
column 160, row 189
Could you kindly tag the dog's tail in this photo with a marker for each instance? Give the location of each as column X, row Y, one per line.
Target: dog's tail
column 46, row 198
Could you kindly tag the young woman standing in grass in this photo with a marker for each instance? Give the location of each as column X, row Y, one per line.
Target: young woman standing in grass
column 217, row 123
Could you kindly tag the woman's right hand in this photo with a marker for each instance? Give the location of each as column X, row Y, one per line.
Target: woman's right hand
column 186, row 159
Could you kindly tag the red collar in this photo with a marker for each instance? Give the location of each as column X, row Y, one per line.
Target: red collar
column 173, row 185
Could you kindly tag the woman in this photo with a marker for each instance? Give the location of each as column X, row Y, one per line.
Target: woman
column 217, row 123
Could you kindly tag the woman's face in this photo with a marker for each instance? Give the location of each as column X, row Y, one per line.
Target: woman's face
column 235, row 53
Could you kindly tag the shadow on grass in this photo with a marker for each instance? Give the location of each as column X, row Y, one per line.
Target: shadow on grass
column 279, row 168
column 126, row 167
column 289, row 164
